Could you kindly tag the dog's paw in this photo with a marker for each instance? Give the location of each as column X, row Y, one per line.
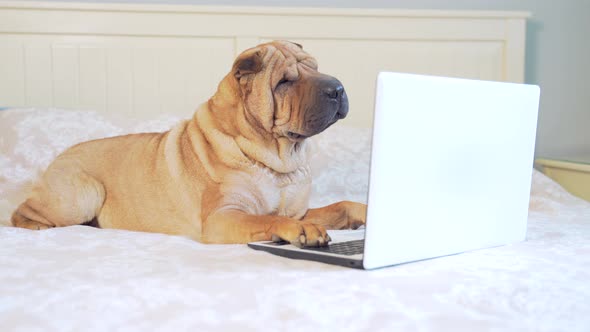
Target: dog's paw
column 356, row 214
column 301, row 234
column 21, row 221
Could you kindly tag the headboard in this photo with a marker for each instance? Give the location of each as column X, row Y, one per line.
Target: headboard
column 143, row 60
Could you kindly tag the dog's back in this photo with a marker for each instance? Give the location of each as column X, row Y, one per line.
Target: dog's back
column 141, row 171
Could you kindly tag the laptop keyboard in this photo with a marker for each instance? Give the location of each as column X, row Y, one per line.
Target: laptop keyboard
column 347, row 248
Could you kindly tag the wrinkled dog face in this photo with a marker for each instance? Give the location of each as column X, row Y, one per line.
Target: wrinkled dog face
column 284, row 93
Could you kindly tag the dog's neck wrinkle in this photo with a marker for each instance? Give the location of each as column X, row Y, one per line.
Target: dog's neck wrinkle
column 249, row 127
column 236, row 151
column 277, row 153
column 280, row 157
column 215, row 150
column 238, row 142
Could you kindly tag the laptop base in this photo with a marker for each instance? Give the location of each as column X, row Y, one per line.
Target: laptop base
column 309, row 255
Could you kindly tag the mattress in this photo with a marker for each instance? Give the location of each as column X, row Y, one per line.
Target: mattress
column 83, row 278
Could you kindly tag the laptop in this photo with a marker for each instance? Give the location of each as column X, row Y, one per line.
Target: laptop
column 451, row 167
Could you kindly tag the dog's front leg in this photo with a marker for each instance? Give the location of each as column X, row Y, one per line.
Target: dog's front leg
column 234, row 226
column 341, row 215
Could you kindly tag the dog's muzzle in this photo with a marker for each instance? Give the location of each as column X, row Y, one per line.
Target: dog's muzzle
column 335, row 93
column 330, row 105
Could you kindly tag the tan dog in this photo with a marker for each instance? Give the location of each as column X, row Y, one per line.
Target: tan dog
column 238, row 171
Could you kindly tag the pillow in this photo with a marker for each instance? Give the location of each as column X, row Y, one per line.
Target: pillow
column 340, row 165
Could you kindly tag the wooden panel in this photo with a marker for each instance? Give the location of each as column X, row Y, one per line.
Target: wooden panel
column 145, row 83
column 114, row 74
column 119, row 87
column 515, row 51
column 92, row 78
column 244, row 43
column 207, row 65
column 38, row 75
column 171, row 80
column 65, row 76
column 12, row 74
column 288, row 22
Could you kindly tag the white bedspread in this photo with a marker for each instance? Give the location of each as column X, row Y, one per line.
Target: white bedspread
column 81, row 278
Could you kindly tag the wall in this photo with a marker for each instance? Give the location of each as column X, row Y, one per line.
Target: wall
column 558, row 57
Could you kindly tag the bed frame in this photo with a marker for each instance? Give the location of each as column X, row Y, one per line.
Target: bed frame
column 143, row 60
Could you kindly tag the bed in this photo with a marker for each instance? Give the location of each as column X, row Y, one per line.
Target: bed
column 67, row 76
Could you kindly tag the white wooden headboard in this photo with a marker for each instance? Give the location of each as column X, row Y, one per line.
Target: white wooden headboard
column 143, row 60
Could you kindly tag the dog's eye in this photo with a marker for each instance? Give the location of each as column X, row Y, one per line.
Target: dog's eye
column 282, row 81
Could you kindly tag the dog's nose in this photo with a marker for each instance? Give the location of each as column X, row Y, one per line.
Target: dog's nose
column 334, row 90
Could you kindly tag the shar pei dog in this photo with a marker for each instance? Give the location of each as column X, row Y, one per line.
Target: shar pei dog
column 238, row 171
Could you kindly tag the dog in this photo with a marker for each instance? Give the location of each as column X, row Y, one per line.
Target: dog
column 237, row 171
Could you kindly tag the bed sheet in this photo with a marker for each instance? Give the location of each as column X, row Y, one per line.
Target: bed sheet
column 82, row 278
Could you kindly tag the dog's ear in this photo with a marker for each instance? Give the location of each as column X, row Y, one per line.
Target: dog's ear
column 248, row 63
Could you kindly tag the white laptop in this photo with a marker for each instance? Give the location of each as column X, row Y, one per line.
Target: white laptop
column 451, row 169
